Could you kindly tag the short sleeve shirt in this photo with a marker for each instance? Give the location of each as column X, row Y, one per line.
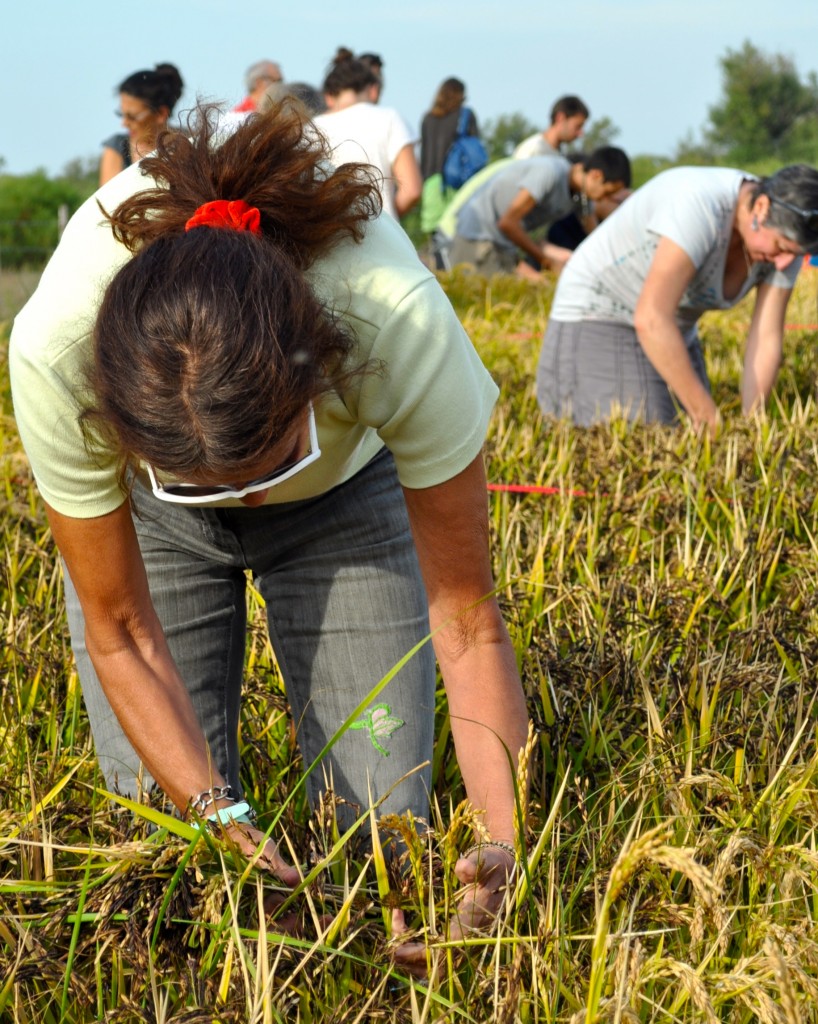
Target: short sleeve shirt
column 428, row 397
column 370, row 134
column 695, row 208
column 120, row 143
column 534, row 145
column 545, row 178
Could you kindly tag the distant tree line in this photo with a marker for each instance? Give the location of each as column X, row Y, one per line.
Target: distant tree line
column 30, row 209
column 767, row 116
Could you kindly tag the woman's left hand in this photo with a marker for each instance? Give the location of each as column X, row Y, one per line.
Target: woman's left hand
column 485, row 873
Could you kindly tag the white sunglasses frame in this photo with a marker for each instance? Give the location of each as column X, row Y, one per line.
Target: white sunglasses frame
column 223, row 492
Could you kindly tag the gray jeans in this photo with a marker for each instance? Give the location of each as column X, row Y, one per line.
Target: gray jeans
column 345, row 601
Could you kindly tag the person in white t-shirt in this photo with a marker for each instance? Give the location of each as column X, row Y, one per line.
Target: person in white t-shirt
column 256, row 373
column 621, row 337
column 358, row 131
column 568, row 117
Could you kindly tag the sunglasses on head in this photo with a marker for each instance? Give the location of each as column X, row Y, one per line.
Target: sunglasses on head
column 809, row 217
column 200, row 494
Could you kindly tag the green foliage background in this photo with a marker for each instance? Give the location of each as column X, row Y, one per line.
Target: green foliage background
column 767, row 116
column 29, row 209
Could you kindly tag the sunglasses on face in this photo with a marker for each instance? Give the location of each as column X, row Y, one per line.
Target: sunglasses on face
column 809, row 217
column 200, row 494
column 132, row 118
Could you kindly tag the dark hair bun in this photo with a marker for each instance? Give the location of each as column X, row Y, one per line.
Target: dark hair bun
column 172, row 81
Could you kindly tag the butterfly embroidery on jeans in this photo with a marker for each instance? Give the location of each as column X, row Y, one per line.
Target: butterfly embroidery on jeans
column 380, row 722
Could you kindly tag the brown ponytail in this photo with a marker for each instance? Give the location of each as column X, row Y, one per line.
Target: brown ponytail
column 209, row 343
column 274, row 161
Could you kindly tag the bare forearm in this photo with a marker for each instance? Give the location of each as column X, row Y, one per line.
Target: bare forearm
column 665, row 347
column 762, row 359
column 514, row 232
column 404, row 203
column 555, row 255
column 765, row 344
column 154, row 709
column 408, row 179
column 129, row 651
column 761, row 366
column 486, row 703
column 489, row 723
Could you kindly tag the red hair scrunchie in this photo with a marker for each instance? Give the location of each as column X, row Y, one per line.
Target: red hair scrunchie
column 234, row 214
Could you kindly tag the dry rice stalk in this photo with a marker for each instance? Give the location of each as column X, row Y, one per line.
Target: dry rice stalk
column 507, row 1010
column 806, row 981
column 623, row 969
column 632, row 856
column 667, row 967
column 762, row 1005
column 636, row 963
column 789, row 1001
column 746, row 983
column 725, row 862
column 609, row 1010
column 524, row 761
column 676, row 858
column 724, row 867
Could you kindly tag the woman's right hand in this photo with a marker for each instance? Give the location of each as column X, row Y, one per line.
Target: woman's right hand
column 248, row 839
column 707, row 417
column 259, row 849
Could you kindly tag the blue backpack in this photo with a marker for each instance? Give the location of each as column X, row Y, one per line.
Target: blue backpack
column 466, row 156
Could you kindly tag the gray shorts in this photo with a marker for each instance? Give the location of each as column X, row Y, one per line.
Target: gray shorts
column 592, row 370
column 486, row 257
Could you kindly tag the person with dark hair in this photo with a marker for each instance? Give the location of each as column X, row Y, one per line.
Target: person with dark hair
column 526, row 195
column 257, row 78
column 568, row 117
column 374, row 62
column 357, row 131
column 146, row 102
column 247, row 369
column 622, row 337
column 438, row 130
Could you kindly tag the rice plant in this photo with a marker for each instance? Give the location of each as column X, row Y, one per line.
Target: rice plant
column 662, row 598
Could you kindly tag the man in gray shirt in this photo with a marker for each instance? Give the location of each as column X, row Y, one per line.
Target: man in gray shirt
column 529, row 194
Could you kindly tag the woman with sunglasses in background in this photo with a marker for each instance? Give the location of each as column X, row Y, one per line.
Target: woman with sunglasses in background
column 146, row 102
column 622, row 334
column 248, row 369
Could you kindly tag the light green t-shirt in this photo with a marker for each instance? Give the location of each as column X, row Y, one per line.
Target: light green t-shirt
column 428, row 400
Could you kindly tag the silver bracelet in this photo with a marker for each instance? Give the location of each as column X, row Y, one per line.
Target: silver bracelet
column 496, row 843
column 203, row 800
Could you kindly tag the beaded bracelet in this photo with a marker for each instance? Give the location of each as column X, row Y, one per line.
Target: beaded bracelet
column 496, row 843
column 239, row 812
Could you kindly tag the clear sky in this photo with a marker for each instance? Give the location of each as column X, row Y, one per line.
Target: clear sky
column 649, row 65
